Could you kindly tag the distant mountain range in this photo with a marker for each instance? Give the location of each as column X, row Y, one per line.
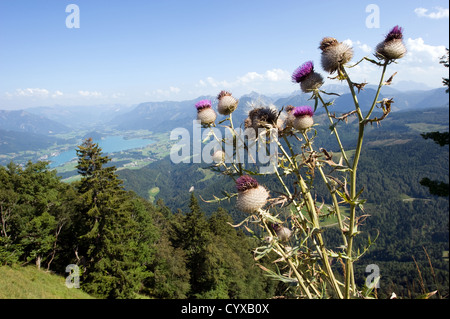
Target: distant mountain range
column 24, row 121
column 163, row 116
column 166, row 115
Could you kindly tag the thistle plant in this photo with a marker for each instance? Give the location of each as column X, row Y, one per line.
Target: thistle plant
column 290, row 223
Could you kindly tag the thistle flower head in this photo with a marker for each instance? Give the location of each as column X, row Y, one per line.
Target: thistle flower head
column 303, row 118
column 392, row 47
column 246, row 182
column 222, row 94
column 227, row 103
column 205, row 113
column 395, row 33
column 203, row 104
column 305, row 110
column 302, row 72
column 251, row 196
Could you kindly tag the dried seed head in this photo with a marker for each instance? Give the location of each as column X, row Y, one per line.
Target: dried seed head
column 261, row 118
column 327, row 42
column 334, row 54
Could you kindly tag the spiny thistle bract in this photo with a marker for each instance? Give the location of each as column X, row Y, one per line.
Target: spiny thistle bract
column 227, row 103
column 251, row 196
column 308, row 79
column 303, row 117
column 205, row 113
column 392, row 47
column 334, row 54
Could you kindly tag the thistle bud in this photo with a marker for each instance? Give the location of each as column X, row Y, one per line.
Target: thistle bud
column 283, row 233
column 334, row 54
column 392, row 47
column 218, row 156
column 251, row 195
column 308, row 79
column 205, row 113
column 303, row 118
column 227, row 103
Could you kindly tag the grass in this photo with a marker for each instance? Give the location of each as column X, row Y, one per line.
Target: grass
column 152, row 193
column 32, row 283
column 426, row 127
column 208, row 174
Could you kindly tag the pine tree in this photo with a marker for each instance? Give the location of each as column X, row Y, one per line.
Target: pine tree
column 194, row 237
column 108, row 246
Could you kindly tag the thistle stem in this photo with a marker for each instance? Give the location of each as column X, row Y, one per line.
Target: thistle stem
column 330, row 189
column 344, row 155
column 349, row 272
column 378, row 92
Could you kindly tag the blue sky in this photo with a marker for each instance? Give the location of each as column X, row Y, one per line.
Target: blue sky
column 127, row 52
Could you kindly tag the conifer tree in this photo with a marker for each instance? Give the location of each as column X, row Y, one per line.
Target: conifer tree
column 108, row 244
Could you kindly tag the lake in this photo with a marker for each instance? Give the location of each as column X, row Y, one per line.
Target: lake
column 109, row 144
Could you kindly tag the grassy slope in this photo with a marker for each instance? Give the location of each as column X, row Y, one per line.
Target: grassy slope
column 31, row 283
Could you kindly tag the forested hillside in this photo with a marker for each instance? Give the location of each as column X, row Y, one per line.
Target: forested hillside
column 122, row 244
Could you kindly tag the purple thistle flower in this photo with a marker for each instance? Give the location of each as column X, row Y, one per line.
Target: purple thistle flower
column 203, row 104
column 302, row 111
column 302, row 72
column 246, row 182
column 395, row 33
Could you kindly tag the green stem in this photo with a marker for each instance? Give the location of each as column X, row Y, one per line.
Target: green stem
column 332, row 193
column 380, row 84
column 344, row 155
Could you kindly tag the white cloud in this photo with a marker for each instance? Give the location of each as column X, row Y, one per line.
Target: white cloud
column 57, row 94
column 420, row 52
column 32, row 92
column 250, row 77
column 174, row 89
column 90, row 93
column 163, row 93
column 277, row 75
column 274, row 75
column 117, row 95
column 439, row 13
column 358, row 44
